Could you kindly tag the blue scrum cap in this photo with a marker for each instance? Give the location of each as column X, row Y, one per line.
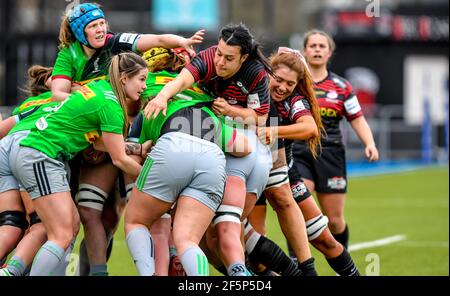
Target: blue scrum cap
column 80, row 16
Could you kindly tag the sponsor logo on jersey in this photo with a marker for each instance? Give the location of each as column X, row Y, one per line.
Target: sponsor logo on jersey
column 163, row 80
column 352, row 105
column 41, row 124
column 337, row 183
column 91, row 136
column 298, row 107
column 127, row 38
column 86, row 92
column 328, row 112
column 253, row 101
column 35, row 103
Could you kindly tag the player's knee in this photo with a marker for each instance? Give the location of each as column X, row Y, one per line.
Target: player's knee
column 336, row 223
column 315, row 226
column 91, row 197
column 325, row 242
column 226, row 213
column 14, row 218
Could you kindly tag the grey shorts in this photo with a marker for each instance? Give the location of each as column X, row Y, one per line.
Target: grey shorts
column 180, row 164
column 39, row 174
column 8, row 144
column 254, row 168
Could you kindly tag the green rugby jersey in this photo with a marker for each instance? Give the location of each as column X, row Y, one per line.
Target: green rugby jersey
column 27, row 119
column 77, row 122
column 72, row 63
column 32, row 102
column 157, row 80
column 223, row 135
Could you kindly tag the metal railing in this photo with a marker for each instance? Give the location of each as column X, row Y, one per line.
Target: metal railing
column 395, row 139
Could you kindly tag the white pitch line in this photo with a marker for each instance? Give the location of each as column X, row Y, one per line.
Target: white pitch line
column 377, row 243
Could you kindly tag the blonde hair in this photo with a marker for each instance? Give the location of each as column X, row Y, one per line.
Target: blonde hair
column 305, row 87
column 128, row 64
column 330, row 40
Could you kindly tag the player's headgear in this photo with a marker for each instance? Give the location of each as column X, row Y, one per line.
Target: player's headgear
column 159, row 58
column 80, row 16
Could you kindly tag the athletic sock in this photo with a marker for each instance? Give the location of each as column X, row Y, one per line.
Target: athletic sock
column 237, row 269
column 307, row 267
column 47, row 259
column 272, row 256
column 62, row 266
column 140, row 244
column 343, row 237
column 16, row 266
column 98, row 270
column 84, row 260
column 343, row 264
column 195, row 262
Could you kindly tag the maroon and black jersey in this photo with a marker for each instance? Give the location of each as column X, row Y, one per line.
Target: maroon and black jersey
column 249, row 87
column 289, row 110
column 336, row 100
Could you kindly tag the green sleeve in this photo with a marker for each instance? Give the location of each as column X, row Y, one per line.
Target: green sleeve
column 224, row 134
column 111, row 117
column 64, row 64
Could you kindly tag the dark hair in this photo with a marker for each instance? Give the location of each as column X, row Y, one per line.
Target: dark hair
column 239, row 35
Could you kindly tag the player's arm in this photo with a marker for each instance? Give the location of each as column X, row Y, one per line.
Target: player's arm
column 362, row 130
column 115, row 146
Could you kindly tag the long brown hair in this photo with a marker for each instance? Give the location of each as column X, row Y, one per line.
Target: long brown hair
column 128, row 64
column 66, row 37
column 37, row 78
column 305, row 87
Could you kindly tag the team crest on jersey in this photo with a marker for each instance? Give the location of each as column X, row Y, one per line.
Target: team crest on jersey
column 232, row 101
column 86, row 92
column 332, row 95
column 91, row 136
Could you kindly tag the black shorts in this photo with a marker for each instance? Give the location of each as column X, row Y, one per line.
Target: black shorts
column 328, row 172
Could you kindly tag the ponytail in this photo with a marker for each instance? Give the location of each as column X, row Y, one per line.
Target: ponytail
column 124, row 64
column 37, row 78
column 305, row 87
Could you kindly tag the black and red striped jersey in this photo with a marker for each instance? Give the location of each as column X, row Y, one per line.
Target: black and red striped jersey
column 336, row 100
column 289, row 110
column 249, row 87
column 292, row 108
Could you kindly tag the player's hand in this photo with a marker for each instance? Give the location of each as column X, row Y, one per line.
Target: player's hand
column 371, row 153
column 190, row 42
column 220, row 107
column 265, row 134
column 155, row 106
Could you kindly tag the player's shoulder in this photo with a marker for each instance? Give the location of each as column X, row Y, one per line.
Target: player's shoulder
column 339, row 81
